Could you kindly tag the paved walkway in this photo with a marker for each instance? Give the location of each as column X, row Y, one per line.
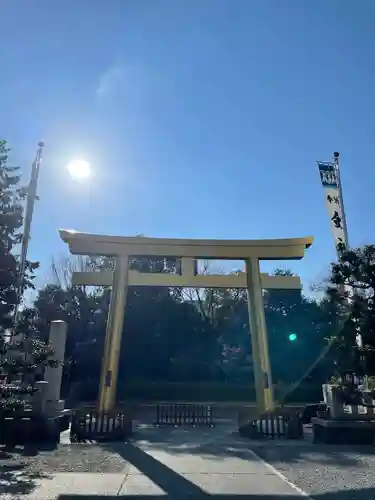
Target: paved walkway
column 175, row 464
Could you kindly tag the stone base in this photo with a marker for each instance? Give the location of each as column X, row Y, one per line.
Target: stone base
column 53, row 408
column 343, row 431
column 65, row 417
column 26, row 429
column 294, row 428
column 311, row 411
column 250, row 431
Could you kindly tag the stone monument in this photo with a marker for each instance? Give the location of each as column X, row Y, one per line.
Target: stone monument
column 47, row 402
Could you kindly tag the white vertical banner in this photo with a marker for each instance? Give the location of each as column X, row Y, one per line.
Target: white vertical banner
column 330, row 177
column 331, row 183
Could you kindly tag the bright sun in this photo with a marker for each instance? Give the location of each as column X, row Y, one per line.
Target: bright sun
column 79, row 169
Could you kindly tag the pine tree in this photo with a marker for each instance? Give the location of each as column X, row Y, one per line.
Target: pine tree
column 352, row 292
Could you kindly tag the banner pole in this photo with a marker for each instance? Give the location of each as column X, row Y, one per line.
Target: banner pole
column 31, row 196
column 333, row 186
column 336, row 164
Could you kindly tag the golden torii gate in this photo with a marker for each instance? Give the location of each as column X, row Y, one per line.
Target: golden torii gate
column 123, row 248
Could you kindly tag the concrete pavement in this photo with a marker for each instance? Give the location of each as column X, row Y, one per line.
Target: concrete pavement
column 181, row 480
column 176, row 463
column 201, row 473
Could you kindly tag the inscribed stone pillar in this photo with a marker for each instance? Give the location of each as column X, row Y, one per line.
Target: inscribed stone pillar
column 40, row 397
column 57, row 340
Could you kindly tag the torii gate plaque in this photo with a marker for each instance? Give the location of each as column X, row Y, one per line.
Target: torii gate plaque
column 123, row 248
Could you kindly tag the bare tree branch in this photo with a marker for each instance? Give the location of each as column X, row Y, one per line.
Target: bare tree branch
column 63, row 269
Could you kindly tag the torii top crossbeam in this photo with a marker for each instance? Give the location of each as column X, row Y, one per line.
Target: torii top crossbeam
column 95, row 244
column 188, row 251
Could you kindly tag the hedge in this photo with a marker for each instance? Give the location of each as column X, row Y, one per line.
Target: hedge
column 205, row 391
column 146, row 391
column 174, row 391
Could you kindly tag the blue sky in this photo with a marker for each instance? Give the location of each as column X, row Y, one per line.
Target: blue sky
column 201, row 118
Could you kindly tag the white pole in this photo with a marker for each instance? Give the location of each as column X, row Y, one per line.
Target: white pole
column 336, row 164
column 30, row 201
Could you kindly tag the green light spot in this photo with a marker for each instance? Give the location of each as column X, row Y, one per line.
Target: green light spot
column 292, row 337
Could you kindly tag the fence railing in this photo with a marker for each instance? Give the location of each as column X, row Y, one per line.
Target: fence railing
column 184, row 414
column 95, row 426
column 273, row 425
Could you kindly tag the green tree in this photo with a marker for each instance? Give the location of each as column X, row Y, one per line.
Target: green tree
column 158, row 328
column 180, row 335
column 165, row 335
column 351, row 290
column 291, row 315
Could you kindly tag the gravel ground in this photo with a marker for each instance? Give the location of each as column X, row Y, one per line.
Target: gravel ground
column 67, row 458
column 325, row 472
column 19, row 474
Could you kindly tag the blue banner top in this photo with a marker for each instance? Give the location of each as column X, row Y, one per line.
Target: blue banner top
column 328, row 174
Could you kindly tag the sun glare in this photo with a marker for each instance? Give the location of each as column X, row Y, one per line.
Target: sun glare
column 79, row 169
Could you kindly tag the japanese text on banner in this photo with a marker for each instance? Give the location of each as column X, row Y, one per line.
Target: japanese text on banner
column 330, row 182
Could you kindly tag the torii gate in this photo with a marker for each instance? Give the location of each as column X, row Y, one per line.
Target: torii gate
column 123, row 248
